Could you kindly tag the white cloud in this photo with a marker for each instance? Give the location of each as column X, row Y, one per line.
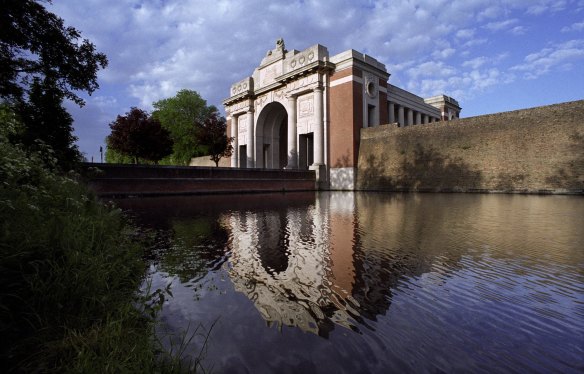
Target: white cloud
column 475, row 63
column 578, row 26
column 442, row 54
column 430, row 69
column 501, row 25
column 547, row 6
column 518, row 30
column 544, row 61
column 465, row 33
column 157, row 47
column 104, row 101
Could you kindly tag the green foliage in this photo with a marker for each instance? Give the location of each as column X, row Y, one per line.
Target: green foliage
column 46, row 122
column 179, row 114
column 114, row 157
column 139, row 136
column 42, row 62
column 35, row 44
column 70, row 269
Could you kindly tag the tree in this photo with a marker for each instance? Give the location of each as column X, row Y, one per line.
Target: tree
column 140, row 136
column 179, row 115
column 48, row 123
column 114, row 157
column 212, row 132
column 35, row 44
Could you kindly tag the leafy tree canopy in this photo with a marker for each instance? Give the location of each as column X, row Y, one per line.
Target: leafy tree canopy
column 140, row 136
column 35, row 45
column 213, row 134
column 180, row 114
column 49, row 124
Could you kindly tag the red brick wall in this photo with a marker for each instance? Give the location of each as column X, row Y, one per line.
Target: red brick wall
column 346, row 119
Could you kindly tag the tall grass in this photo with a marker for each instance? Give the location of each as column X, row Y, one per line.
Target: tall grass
column 69, row 275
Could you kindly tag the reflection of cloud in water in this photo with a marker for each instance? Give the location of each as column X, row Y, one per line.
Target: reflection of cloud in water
column 282, row 261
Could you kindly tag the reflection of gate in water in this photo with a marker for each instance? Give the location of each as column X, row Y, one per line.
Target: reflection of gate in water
column 296, row 265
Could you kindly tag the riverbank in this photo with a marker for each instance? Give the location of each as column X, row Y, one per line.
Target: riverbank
column 70, row 269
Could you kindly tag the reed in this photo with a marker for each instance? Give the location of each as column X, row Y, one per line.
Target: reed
column 70, row 271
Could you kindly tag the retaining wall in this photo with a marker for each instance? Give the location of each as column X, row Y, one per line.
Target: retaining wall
column 538, row 150
column 144, row 180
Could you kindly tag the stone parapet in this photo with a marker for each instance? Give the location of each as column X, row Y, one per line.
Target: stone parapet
column 141, row 180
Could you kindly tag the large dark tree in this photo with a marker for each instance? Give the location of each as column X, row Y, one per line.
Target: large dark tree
column 42, row 63
column 34, row 43
column 140, row 136
column 48, row 123
column 212, row 133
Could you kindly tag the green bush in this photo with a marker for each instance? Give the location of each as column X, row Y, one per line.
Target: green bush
column 69, row 274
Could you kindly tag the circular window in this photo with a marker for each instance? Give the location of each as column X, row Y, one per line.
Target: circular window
column 371, row 89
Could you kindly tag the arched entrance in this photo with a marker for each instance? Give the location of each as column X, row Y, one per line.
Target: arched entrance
column 272, row 137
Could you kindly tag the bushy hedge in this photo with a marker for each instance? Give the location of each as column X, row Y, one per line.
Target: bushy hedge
column 69, row 273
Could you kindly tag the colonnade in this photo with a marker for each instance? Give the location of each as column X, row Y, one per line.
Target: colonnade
column 407, row 116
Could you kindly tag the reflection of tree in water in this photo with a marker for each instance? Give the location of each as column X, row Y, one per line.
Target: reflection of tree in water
column 196, row 246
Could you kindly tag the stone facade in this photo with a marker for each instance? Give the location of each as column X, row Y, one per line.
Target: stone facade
column 305, row 109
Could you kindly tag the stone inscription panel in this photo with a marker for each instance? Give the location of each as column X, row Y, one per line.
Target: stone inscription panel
column 268, row 74
column 303, row 82
column 242, row 124
column 306, row 106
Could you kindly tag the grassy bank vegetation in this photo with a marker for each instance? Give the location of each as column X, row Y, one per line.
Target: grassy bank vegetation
column 69, row 275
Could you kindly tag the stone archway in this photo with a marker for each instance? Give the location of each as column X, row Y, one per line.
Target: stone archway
column 272, row 137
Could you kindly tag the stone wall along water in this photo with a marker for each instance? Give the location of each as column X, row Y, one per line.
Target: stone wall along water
column 537, row 150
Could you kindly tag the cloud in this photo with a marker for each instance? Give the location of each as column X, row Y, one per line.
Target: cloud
column 475, row 63
column 430, row 69
column 544, row 61
column 442, row 54
column 157, row 47
column 578, row 26
column 518, row 30
column 547, row 6
column 501, row 25
column 465, row 33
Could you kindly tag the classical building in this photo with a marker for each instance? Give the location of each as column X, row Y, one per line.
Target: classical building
column 304, row 110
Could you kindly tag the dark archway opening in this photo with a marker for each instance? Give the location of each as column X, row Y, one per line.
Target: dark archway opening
column 272, row 137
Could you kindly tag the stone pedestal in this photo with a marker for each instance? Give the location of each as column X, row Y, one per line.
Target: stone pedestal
column 321, row 176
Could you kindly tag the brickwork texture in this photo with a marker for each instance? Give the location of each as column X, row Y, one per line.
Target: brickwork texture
column 537, row 150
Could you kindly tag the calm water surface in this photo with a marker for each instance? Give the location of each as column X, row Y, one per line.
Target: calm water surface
column 372, row 283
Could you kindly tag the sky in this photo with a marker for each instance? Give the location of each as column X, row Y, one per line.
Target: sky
column 490, row 55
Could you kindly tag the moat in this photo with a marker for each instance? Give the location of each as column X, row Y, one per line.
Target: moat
column 356, row 282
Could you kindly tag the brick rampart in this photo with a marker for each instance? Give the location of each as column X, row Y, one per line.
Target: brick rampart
column 538, row 150
column 124, row 180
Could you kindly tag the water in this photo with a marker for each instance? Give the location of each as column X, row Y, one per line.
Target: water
column 372, row 283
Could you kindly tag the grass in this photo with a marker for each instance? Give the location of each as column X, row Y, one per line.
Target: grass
column 70, row 271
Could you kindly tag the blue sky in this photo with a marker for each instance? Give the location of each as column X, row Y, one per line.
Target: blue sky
column 490, row 55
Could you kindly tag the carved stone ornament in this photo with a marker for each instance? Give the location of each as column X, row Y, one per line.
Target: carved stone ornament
column 370, row 86
column 280, row 44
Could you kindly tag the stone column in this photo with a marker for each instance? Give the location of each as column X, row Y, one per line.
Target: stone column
column 250, row 139
column 425, row 119
column 292, row 137
column 410, row 119
column 418, row 118
column 234, row 135
column 400, row 116
column 391, row 113
column 319, row 130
